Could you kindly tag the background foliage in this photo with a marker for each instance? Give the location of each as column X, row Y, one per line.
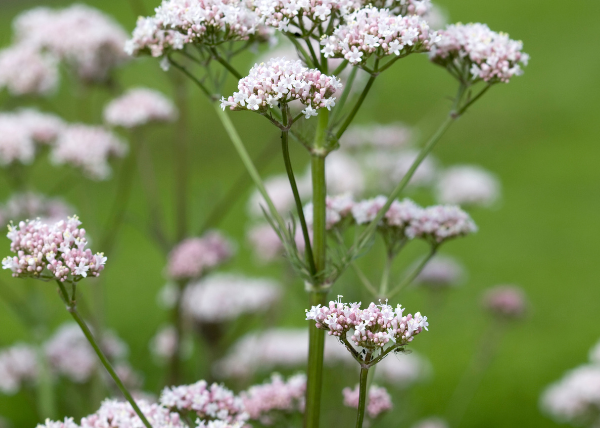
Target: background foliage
column 539, row 134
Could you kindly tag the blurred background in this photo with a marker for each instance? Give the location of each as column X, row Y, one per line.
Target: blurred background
column 539, row 135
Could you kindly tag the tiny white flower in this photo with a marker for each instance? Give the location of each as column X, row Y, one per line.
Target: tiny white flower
column 329, row 103
column 253, row 102
column 309, row 111
column 82, row 269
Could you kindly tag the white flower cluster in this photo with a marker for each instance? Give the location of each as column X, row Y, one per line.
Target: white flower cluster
column 85, row 38
column 89, row 148
column 575, row 399
column 375, row 31
column 21, row 130
column 194, row 257
column 223, row 297
column 22, row 206
column 469, row 185
column 486, row 55
column 25, row 70
column 405, row 7
column 283, row 81
column 59, row 248
column 120, row 414
column 18, row 365
column 400, row 214
column 179, row 22
column 373, row 327
column 208, row 402
column 139, row 106
column 281, row 13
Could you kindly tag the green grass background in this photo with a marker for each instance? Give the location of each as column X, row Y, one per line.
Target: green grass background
column 540, row 134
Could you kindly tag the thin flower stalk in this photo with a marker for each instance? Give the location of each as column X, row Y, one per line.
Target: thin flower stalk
column 414, row 274
column 362, row 400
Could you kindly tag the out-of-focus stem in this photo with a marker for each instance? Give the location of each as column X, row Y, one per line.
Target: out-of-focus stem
column 181, row 159
column 46, row 399
column 318, row 294
column 472, row 377
column 411, row 277
column 72, row 309
column 385, row 277
column 357, row 106
column 177, row 320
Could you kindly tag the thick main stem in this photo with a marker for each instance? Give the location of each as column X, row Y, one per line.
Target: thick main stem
column 318, row 294
column 72, row 308
column 362, row 398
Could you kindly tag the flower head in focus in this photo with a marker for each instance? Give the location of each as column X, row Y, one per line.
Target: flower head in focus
column 440, row 223
column 378, row 400
column 193, row 257
column 372, row 328
column 505, row 301
column 281, row 81
column 138, row 107
column 89, row 148
column 59, row 248
column 119, row 414
column 483, row 54
column 378, row 32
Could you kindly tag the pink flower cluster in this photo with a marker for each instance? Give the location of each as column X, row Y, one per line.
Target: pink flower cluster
column 21, row 130
column 371, row 31
column 119, row 414
column 85, row 38
column 18, row 365
column 440, row 223
column 338, row 208
column 89, row 148
column 487, row 55
column 220, row 298
column 179, row 22
column 59, row 248
column 400, row 214
column 469, row 185
column 378, row 400
column 281, row 13
column 66, row 423
column 193, row 257
column 283, row 81
column 138, row 107
column 278, row 395
column 25, row 70
column 506, row 301
column 23, row 206
column 373, row 327
column 208, row 402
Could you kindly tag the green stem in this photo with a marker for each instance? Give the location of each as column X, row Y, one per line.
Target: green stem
column 290, row 173
column 362, row 398
column 247, row 161
column 356, row 107
column 363, row 278
column 46, row 399
column 316, row 349
column 342, row 101
column 300, row 49
column 411, row 277
column 318, row 294
column 72, row 309
column 385, row 277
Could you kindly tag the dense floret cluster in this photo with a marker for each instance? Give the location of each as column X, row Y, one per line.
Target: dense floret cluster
column 59, row 248
column 139, row 106
column 373, row 327
column 283, row 81
column 372, row 31
column 482, row 53
column 275, row 395
column 25, row 70
column 193, row 257
column 378, row 400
